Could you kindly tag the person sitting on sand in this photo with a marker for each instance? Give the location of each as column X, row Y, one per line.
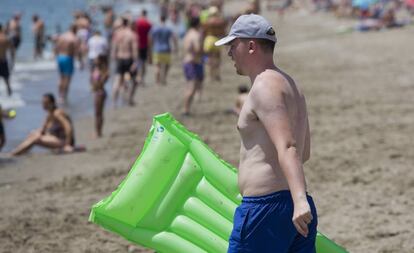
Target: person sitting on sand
column 57, row 132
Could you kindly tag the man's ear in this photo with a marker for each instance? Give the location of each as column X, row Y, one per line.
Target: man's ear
column 252, row 46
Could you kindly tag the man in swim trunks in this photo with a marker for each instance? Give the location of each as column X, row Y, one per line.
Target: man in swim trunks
column 38, row 29
column 14, row 32
column 5, row 46
column 66, row 48
column 193, row 65
column 125, row 52
column 56, row 133
column 276, row 214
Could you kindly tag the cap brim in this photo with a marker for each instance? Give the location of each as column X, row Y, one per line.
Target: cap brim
column 224, row 40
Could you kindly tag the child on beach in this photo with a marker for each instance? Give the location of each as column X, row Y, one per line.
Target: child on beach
column 99, row 76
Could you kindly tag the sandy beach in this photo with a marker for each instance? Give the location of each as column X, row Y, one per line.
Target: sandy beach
column 359, row 89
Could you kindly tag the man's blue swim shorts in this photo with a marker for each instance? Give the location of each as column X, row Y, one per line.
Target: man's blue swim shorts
column 65, row 64
column 264, row 225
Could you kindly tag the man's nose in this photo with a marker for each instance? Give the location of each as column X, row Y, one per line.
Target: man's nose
column 229, row 53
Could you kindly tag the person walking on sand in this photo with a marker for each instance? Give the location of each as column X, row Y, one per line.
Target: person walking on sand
column 56, row 133
column 276, row 213
column 214, row 28
column 5, row 46
column 38, row 29
column 162, row 41
column 99, row 76
column 193, row 65
column 142, row 29
column 67, row 46
column 125, row 52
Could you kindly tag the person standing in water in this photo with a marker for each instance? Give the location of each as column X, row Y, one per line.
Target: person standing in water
column 5, row 47
column 38, row 29
column 67, row 46
column 14, row 32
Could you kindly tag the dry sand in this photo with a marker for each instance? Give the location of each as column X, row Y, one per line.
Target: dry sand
column 359, row 89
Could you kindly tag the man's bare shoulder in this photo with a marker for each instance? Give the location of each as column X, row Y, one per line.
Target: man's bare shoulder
column 269, row 84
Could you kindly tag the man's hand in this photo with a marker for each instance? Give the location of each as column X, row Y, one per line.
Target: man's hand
column 302, row 217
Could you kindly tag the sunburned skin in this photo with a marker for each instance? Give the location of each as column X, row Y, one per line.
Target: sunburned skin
column 124, row 44
column 67, row 44
column 259, row 169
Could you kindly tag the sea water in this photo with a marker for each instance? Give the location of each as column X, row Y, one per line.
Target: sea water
column 30, row 79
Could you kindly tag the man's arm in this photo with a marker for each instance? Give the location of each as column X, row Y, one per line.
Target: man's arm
column 270, row 105
column 307, row 147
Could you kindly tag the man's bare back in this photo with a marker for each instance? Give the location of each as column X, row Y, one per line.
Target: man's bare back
column 67, row 44
column 192, row 46
column 125, row 44
column 38, row 28
column 4, row 45
column 259, row 169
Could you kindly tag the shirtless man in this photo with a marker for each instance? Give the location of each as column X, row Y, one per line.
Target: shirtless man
column 66, row 48
column 5, row 46
column 56, row 133
column 38, row 29
column 193, row 65
column 125, row 52
column 14, row 32
column 276, row 214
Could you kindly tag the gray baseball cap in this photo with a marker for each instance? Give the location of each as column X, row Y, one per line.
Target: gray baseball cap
column 249, row 26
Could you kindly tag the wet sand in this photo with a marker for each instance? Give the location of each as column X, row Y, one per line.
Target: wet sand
column 359, row 89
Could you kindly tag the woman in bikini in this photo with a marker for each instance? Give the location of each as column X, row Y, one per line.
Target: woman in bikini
column 56, row 133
